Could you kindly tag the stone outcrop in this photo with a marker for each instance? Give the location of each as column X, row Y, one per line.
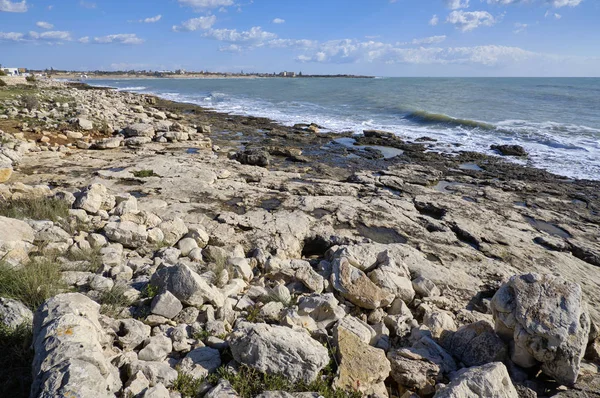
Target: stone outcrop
column 546, row 321
column 68, row 342
column 278, row 350
column 491, row 380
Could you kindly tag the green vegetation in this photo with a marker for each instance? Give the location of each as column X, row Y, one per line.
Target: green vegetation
column 187, row 386
column 150, row 291
column 254, row 314
column 2, row 73
column 248, row 383
column 30, row 102
column 143, row 173
column 40, row 208
column 33, row 283
column 30, row 79
column 3, row 83
column 201, row 335
column 113, row 301
column 91, row 259
column 16, row 357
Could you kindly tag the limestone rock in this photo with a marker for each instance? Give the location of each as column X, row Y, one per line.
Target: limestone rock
column 173, row 230
column 222, row 390
column 69, row 360
column 200, row 362
column 476, row 344
column 158, row 391
column 491, row 381
column 362, row 367
column 132, row 333
column 155, row 372
column 139, row 130
column 280, row 350
column 14, row 313
column 546, row 320
column 356, row 287
column 413, row 371
column 156, row 348
column 127, row 233
column 189, row 287
column 6, row 171
column 425, row 287
column 323, row 308
column 94, row 198
column 16, row 240
column 166, row 304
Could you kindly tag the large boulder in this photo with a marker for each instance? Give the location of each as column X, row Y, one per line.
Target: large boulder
column 16, row 240
column 361, row 367
column 355, row 286
column 69, row 359
column 278, row 350
column 476, row 344
column 187, row 286
column 94, row 198
column 490, row 381
column 546, row 321
column 139, row 130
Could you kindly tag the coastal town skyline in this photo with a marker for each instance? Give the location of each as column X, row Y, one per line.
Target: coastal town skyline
column 380, row 38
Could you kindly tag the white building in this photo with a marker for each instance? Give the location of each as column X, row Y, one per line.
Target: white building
column 11, row 71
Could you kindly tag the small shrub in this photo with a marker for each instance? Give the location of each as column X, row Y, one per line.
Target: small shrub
column 16, row 357
column 30, row 102
column 114, row 300
column 2, row 73
column 3, row 83
column 201, row 335
column 254, row 314
column 30, row 79
column 40, row 208
column 33, row 283
column 150, row 291
column 187, row 385
column 143, row 173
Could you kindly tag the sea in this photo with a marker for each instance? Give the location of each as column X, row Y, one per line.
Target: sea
column 557, row 120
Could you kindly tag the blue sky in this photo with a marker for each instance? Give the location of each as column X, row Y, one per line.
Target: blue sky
column 375, row 37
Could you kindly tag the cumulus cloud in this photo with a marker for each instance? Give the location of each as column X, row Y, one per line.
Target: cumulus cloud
column 470, row 20
column 44, row 25
column 424, row 41
column 278, row 21
column 121, row 38
column 206, row 4
column 151, row 19
column 553, row 3
column 11, row 36
column 50, row 36
column 84, row 40
column 254, row 37
column 434, row 20
column 456, row 4
column 196, row 23
column 9, row 6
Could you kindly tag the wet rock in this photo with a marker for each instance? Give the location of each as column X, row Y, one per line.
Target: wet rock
column 491, row 380
column 356, row 287
column 362, row 368
column 546, row 321
column 509, row 150
column 253, row 157
column 278, row 349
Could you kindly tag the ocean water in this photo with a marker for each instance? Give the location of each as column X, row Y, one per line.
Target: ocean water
column 557, row 120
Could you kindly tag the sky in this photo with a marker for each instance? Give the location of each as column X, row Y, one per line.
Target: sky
column 370, row 37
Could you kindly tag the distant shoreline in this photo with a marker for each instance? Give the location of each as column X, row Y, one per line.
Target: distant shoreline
column 200, row 76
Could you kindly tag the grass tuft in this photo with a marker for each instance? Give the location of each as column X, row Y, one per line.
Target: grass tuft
column 16, row 357
column 187, row 385
column 113, row 301
column 39, row 208
column 91, row 260
column 33, row 283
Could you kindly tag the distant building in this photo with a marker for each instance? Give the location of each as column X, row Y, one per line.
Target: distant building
column 11, row 71
column 180, row 71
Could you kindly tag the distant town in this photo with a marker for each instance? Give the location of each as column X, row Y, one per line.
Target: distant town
column 179, row 73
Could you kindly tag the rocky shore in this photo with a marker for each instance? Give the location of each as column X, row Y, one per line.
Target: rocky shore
column 158, row 249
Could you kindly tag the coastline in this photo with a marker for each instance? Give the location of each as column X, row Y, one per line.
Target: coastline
column 269, row 198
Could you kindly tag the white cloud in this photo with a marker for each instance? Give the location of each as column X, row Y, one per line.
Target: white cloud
column 456, row 4
column 194, row 24
column 87, row 4
column 553, row 3
column 50, row 35
column 550, row 14
column 469, row 20
column 44, row 25
column 253, row 37
column 278, row 21
column 557, row 16
column 9, row 6
column 434, row 20
column 84, row 40
column 152, row 19
column 11, row 36
column 520, row 27
column 121, row 38
column 424, row 41
column 206, row 4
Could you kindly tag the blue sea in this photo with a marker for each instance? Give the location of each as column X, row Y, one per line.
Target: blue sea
column 557, row 120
